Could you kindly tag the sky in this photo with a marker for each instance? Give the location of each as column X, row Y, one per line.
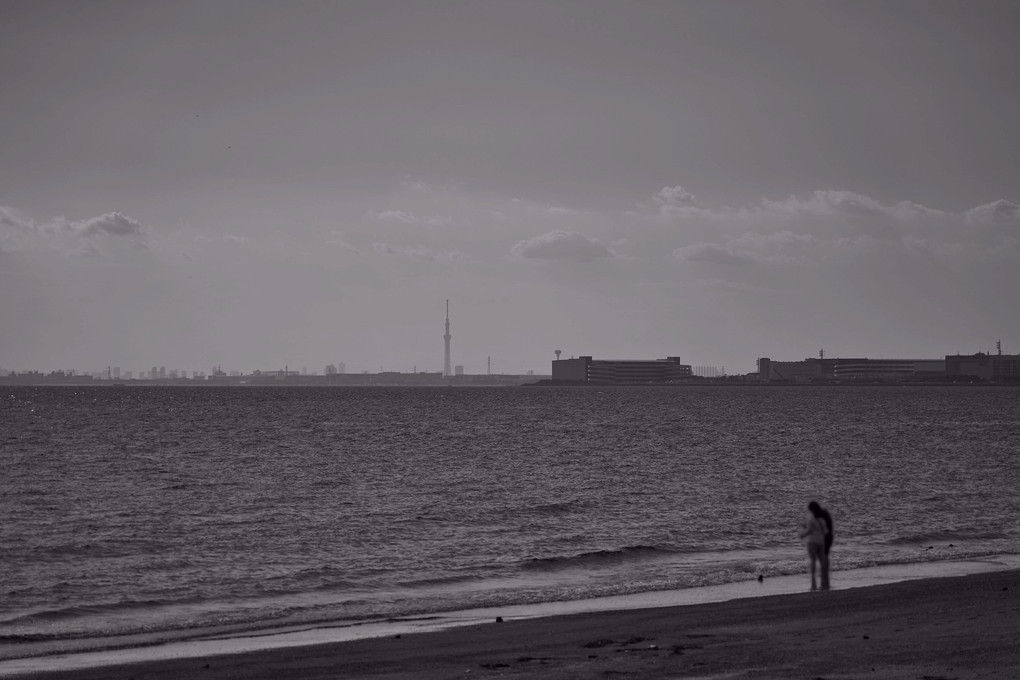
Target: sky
column 265, row 184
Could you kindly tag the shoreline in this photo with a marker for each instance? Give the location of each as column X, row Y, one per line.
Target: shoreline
column 316, row 640
column 504, row 380
column 939, row 628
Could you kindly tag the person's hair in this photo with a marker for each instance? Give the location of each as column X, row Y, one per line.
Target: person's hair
column 814, row 508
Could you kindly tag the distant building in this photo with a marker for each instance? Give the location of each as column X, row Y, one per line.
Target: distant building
column 986, row 367
column 889, row 369
column 587, row 369
column 850, row 370
column 458, row 369
column 809, row 370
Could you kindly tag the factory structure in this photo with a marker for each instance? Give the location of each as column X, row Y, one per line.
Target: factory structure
column 986, row 367
column 980, row 367
column 586, row 369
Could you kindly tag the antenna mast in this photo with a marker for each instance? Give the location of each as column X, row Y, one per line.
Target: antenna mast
column 446, row 337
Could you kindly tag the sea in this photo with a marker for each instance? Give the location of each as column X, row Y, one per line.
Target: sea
column 137, row 515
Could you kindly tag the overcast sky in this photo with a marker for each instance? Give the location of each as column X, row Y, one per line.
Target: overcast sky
column 260, row 184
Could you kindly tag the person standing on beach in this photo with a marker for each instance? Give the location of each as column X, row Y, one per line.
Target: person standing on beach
column 823, row 514
column 813, row 532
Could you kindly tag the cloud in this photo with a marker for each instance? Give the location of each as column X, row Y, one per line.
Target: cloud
column 420, row 253
column 393, row 216
column 908, row 210
column 781, row 242
column 557, row 211
column 339, row 239
column 13, row 228
column 563, row 245
column 829, row 202
column 416, row 186
column 9, row 218
column 675, row 196
column 20, row 233
column 113, row 223
column 408, row 217
column 779, row 247
column 830, row 225
column 711, row 252
column 676, row 201
column 832, row 202
column 997, row 212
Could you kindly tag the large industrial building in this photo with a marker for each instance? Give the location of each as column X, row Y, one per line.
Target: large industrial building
column 850, row 370
column 630, row 371
column 981, row 366
column 984, row 367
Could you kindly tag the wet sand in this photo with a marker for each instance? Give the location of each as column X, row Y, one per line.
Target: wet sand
column 929, row 629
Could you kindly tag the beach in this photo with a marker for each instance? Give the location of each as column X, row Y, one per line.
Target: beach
column 932, row 629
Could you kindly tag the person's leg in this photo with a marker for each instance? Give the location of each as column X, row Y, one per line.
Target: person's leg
column 825, row 569
column 813, row 558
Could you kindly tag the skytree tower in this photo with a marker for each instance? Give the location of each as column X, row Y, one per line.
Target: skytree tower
column 446, row 364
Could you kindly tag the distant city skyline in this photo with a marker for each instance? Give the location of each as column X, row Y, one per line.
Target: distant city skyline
column 163, row 373
column 257, row 184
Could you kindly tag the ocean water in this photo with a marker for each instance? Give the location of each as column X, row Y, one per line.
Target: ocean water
column 138, row 514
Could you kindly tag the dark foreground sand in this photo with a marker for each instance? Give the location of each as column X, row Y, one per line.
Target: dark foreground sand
column 933, row 629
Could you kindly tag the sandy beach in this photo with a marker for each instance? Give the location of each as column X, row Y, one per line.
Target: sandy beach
column 929, row 629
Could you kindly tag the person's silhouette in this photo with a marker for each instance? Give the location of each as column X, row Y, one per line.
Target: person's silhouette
column 823, row 514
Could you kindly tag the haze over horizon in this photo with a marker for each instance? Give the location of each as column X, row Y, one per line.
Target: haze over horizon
column 259, row 184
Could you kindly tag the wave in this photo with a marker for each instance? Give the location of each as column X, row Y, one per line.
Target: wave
column 124, row 547
column 595, row 558
column 559, row 508
column 945, row 536
column 321, row 578
column 272, row 614
column 440, row 581
column 92, row 610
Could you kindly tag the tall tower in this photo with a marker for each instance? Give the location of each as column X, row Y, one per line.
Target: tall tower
column 446, row 363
